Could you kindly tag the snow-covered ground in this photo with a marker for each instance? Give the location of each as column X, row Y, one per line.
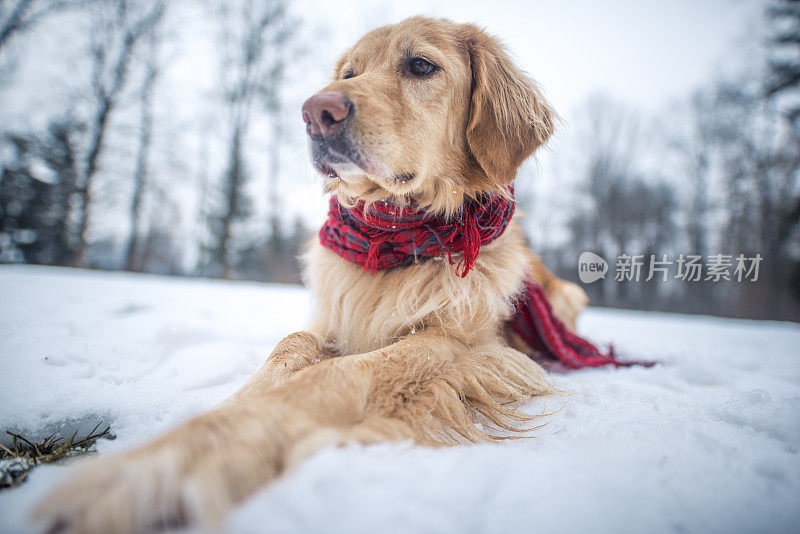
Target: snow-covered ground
column 706, row 442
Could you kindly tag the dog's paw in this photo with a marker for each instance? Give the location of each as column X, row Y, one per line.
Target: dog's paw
column 141, row 491
column 568, row 300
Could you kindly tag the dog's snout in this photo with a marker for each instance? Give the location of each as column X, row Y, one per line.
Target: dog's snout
column 325, row 114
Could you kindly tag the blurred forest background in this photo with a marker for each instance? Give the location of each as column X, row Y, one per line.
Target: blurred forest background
column 165, row 137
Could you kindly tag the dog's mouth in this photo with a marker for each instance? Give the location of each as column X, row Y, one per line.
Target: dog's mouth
column 338, row 156
column 327, row 164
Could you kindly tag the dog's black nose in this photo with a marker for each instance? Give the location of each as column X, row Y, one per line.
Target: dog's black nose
column 325, row 113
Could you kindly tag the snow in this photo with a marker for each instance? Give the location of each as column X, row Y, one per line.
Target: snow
column 706, row 442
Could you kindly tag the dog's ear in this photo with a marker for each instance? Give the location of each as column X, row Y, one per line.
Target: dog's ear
column 508, row 116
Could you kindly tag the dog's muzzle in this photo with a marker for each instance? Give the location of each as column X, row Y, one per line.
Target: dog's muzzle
column 327, row 116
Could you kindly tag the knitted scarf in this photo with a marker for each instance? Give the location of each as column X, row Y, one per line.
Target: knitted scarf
column 387, row 235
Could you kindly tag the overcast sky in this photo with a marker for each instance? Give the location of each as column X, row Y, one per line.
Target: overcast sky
column 645, row 52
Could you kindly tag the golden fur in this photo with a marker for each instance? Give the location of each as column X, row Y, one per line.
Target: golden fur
column 409, row 353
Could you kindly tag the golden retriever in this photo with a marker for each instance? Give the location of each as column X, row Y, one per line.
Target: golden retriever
column 435, row 112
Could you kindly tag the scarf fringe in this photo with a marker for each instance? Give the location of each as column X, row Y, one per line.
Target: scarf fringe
column 536, row 324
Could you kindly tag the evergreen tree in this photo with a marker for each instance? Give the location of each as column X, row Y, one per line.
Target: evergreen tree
column 783, row 79
column 35, row 206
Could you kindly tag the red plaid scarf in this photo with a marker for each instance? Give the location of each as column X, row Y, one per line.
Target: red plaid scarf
column 386, row 236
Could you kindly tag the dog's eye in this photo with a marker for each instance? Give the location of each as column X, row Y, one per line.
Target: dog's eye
column 348, row 74
column 420, row 67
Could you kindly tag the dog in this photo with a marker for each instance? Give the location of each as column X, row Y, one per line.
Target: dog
column 428, row 112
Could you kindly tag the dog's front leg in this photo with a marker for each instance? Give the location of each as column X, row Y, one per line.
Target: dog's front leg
column 194, row 472
column 293, row 353
column 191, row 475
column 418, row 388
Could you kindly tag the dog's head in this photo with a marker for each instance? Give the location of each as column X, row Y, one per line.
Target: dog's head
column 425, row 109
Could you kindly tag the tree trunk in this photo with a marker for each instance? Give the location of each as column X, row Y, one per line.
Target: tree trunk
column 233, row 200
column 85, row 189
column 133, row 261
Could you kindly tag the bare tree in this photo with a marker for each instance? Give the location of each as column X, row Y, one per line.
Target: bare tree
column 275, row 107
column 141, row 171
column 690, row 139
column 694, row 146
column 117, row 31
column 625, row 211
column 608, row 136
column 21, row 15
column 253, row 35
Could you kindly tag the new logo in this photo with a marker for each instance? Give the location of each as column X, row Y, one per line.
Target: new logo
column 591, row 267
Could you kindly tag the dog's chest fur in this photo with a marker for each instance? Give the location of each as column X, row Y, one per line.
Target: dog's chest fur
column 358, row 311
